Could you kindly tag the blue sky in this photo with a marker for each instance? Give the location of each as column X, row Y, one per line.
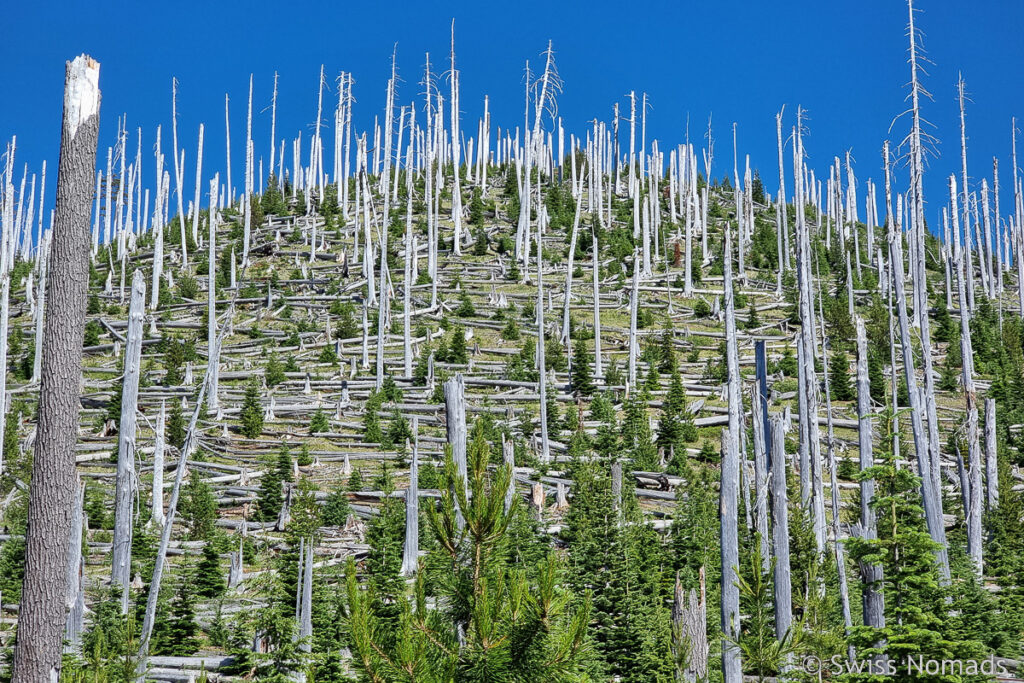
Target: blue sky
column 845, row 62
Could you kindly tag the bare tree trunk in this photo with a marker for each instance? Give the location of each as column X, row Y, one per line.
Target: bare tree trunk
column 760, row 467
column 127, row 479
column 455, row 425
column 410, row 555
column 172, row 507
column 41, row 619
column 810, row 449
column 633, row 308
column 568, row 275
column 598, row 369
column 873, row 600
column 844, row 591
column 732, row 667
column 932, row 502
column 179, row 172
column 509, row 459
column 782, row 587
column 991, row 464
column 75, row 601
column 158, row 467
column 972, row 508
column 689, row 625
column 456, row 185
column 542, row 377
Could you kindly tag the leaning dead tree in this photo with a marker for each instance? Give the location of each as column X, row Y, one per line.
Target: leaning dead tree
column 41, row 618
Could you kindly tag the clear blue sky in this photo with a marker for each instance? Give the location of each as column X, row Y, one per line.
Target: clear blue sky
column 845, row 62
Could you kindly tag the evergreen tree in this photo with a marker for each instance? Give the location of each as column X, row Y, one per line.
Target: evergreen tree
column 917, row 619
column 271, row 497
column 876, row 378
column 319, row 423
column 274, row 371
column 284, row 464
column 252, row 411
column 457, row 352
column 670, row 426
column 580, row 379
column 517, row 623
column 839, row 378
column 176, row 427
column 208, row 577
column 336, row 509
column 636, row 435
column 199, row 509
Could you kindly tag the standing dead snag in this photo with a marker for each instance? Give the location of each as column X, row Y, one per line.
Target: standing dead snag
column 991, row 464
column 455, row 425
column 931, row 500
column 410, row 555
column 127, row 484
column 783, row 597
column 732, row 666
column 689, row 631
column 37, row 653
column 871, row 574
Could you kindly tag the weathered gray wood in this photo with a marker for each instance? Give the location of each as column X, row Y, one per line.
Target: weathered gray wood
column 598, row 366
column 411, row 550
column 634, row 304
column 542, row 375
column 689, row 626
column 811, row 486
column 872, row 598
column 509, row 460
column 844, row 590
column 41, row 618
column 991, row 463
column 211, row 302
column 75, row 600
column 191, row 437
column 127, row 478
column 782, row 589
column 158, row 467
column 732, row 667
column 931, row 500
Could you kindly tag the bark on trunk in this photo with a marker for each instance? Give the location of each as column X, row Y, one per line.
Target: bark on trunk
column 37, row 653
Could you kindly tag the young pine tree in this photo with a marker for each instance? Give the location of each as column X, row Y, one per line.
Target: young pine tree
column 252, row 411
column 580, row 379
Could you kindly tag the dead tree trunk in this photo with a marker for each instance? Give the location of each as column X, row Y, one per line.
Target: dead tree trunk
column 732, row 667
column 783, row 597
column 509, row 458
column 410, row 555
column 598, row 370
column 932, row 502
column 545, row 453
column 455, row 427
column 127, row 479
column 158, row 467
column 37, row 653
column 991, row 464
column 689, row 628
column 172, row 507
column 873, row 601
column 75, row 601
